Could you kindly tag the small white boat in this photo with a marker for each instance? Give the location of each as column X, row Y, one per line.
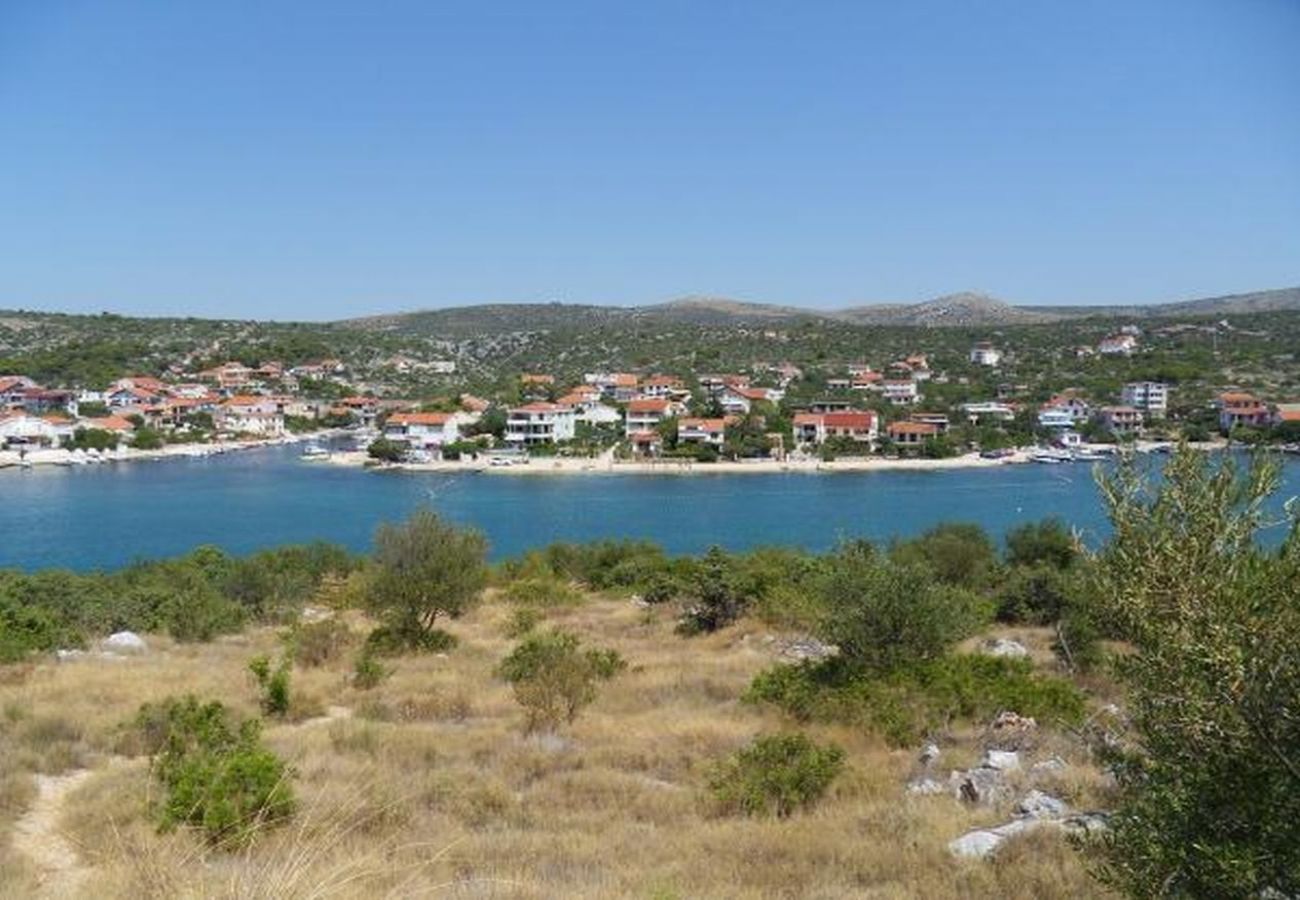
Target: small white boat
column 314, row 452
column 1051, row 457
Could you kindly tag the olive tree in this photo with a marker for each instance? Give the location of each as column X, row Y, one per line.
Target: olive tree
column 424, row 568
column 1209, row 766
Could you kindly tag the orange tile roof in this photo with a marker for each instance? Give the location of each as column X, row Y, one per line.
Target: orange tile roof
column 420, row 418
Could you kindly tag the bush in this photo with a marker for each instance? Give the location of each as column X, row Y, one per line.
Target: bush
column 314, row 644
column 1048, row 541
column 883, row 615
column 384, row 450
column 522, row 622
column 384, row 641
column 424, row 568
column 369, row 672
column 554, row 678
column 716, row 597
column 274, row 685
column 216, row 774
column 955, row 553
column 906, row 704
column 775, row 775
column 543, row 591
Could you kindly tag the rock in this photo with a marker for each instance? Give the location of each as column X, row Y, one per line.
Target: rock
column 68, row 655
column 1002, row 760
column 1048, row 766
column 1006, row 647
column 976, row 844
column 1012, row 721
column 924, row 787
column 1037, row 805
column 801, row 649
column 929, row 753
column 124, row 642
column 1086, row 823
column 980, row 785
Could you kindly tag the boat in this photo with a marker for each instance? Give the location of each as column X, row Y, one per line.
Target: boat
column 314, row 451
column 1088, row 455
column 1051, row 457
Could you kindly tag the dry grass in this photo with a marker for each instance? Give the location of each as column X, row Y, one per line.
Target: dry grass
column 431, row 788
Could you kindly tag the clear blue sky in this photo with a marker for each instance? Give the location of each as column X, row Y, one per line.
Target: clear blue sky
column 320, row 159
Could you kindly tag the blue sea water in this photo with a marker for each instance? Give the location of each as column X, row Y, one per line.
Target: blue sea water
column 91, row 517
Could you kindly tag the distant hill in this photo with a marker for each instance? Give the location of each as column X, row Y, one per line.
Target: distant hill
column 952, row 310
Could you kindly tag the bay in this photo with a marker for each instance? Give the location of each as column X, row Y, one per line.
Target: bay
column 94, row 517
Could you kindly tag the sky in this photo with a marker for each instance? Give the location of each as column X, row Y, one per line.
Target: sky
column 322, row 159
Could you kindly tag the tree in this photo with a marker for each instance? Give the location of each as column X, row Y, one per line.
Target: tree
column 385, row 450
column 716, row 596
column 956, row 552
column 1209, row 771
column 554, row 677
column 424, row 568
column 884, row 615
column 1047, row 541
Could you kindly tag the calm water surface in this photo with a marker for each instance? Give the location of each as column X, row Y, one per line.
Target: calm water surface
column 103, row 516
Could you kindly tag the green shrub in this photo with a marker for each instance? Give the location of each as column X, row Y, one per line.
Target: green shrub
column 1047, row 542
column 369, row 672
column 775, row 775
column 554, row 677
column 217, row 775
column 884, row 615
column 716, row 595
column 316, row 643
column 542, row 591
column 522, row 622
column 905, row 704
column 384, row 641
column 955, row 553
column 274, row 685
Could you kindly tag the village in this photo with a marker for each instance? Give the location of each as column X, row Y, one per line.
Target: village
column 859, row 412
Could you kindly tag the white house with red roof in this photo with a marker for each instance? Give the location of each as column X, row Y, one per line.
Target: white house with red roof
column 699, row 430
column 812, row 428
column 540, row 423
column 900, row 391
column 423, row 430
column 645, row 413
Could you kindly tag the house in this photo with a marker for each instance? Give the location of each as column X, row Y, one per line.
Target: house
column 646, row 443
column 1056, row 418
column 786, row 373
column 865, row 381
column 250, row 415
column 12, row 389
column 423, row 430
column 42, row 400
column 129, row 395
column 830, row 404
column 618, row 386
column 1067, row 403
column 900, row 392
column 228, row 376
column 1286, row 412
column 839, row 384
column 663, row 386
column 938, row 420
column 1240, row 409
column 911, row 434
column 365, row 409
column 695, row 430
column 539, row 423
column 991, row 410
column 534, row 378
column 858, row 368
column 22, row 429
column 587, row 406
column 985, row 354
column 1151, row 397
column 116, row 424
column 1118, row 345
column 470, row 403
column 645, row 413
column 737, row 400
column 817, row 428
column 1119, row 419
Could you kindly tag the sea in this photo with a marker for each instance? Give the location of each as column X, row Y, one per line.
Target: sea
column 104, row 516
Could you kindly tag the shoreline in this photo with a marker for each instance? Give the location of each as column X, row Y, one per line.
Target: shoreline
column 542, row 466
column 10, row 459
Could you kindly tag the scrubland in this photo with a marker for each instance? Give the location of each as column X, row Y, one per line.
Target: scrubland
column 428, row 784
